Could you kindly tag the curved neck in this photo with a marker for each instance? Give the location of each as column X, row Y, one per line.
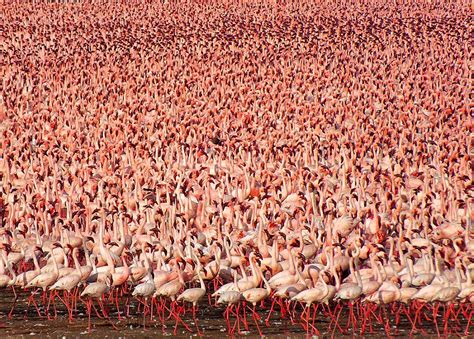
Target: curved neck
column 201, row 282
column 94, row 267
column 76, row 262
column 244, row 274
column 390, row 253
column 410, row 270
column 255, row 274
column 265, row 282
column 35, row 261
column 66, row 260
column 325, row 286
column 436, row 264
column 180, row 275
column 275, row 253
column 9, row 268
column 292, row 266
column 355, row 272
column 338, row 280
column 401, row 254
column 55, row 265
column 458, row 278
column 2, row 264
column 383, row 271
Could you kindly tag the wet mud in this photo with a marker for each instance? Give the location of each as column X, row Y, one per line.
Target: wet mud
column 25, row 322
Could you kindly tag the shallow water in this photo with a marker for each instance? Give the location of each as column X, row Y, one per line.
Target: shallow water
column 26, row 323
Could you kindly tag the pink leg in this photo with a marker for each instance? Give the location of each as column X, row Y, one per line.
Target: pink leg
column 226, row 317
column 271, row 310
column 178, row 319
column 102, row 307
column 387, row 321
column 245, row 317
column 117, row 306
column 467, row 331
column 336, row 320
column 89, row 309
column 10, row 314
column 196, row 321
column 256, row 318
column 315, row 330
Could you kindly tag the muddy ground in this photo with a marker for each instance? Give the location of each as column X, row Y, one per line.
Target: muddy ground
column 26, row 323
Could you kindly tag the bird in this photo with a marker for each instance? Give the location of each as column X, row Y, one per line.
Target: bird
column 95, row 291
column 257, row 294
column 194, row 295
column 145, row 290
column 44, row 280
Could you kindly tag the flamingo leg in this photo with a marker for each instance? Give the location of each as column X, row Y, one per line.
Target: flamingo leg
column 282, row 307
column 236, row 313
column 417, row 312
column 31, row 299
column 435, row 317
column 151, row 308
column 303, row 314
column 354, row 319
column 97, row 312
column 226, row 317
column 177, row 318
column 70, row 307
column 89, row 310
column 65, row 301
column 196, row 321
column 267, row 319
column 407, row 313
column 307, row 319
column 387, row 321
column 43, row 296
column 117, row 306
column 104, row 312
column 102, row 308
column 447, row 318
column 315, row 330
column 294, row 310
column 76, row 299
column 256, row 318
column 336, row 320
column 145, row 310
column 238, row 319
column 172, row 310
column 303, row 318
column 245, row 317
column 397, row 316
column 52, row 297
column 10, row 314
column 365, row 318
column 351, row 318
column 467, row 331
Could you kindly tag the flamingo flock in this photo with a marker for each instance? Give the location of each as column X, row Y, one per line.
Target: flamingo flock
column 304, row 160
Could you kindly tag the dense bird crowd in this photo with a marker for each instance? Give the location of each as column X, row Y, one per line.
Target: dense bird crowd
column 288, row 152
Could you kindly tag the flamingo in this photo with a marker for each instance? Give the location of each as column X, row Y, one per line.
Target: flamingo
column 96, row 291
column 68, row 283
column 170, row 290
column 349, row 291
column 230, row 299
column 312, row 295
column 145, row 290
column 44, row 280
column 193, row 295
column 262, row 135
column 257, row 294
